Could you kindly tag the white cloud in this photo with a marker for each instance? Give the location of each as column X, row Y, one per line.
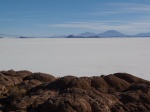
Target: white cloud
column 125, row 27
column 121, row 8
column 130, row 24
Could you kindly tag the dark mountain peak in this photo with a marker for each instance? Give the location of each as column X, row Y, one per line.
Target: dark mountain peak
column 70, row 36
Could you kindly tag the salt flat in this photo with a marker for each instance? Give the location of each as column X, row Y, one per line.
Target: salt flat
column 79, row 57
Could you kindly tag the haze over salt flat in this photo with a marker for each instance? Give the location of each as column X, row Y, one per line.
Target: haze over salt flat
column 79, row 57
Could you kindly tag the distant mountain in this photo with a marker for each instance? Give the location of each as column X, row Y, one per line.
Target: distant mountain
column 7, row 35
column 111, row 33
column 57, row 36
column 87, row 34
column 3, row 35
column 26, row 37
column 71, row 36
column 143, row 35
column 106, row 34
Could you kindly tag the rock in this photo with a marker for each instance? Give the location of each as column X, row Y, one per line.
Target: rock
column 116, row 83
column 2, row 87
column 9, row 80
column 135, row 86
column 130, row 78
column 30, row 102
column 23, row 73
column 82, row 83
column 41, row 77
column 6, row 80
column 66, row 103
column 64, row 82
column 20, row 104
column 9, row 73
column 28, row 84
column 99, row 84
column 24, row 91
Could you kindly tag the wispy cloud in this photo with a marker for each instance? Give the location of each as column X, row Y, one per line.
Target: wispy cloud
column 129, row 18
column 121, row 8
column 126, row 27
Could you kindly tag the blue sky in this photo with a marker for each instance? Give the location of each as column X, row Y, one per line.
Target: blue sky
column 60, row 17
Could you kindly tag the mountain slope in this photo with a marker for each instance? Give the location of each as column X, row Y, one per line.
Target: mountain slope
column 111, row 33
column 7, row 35
column 143, row 34
column 87, row 34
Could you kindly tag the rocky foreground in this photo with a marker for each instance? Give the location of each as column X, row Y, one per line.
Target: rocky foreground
column 24, row 91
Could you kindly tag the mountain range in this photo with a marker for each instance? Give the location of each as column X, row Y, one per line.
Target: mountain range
column 112, row 33
column 106, row 34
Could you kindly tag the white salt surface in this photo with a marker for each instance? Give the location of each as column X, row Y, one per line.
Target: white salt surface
column 79, row 57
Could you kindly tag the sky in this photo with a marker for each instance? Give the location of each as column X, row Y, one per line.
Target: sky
column 63, row 17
